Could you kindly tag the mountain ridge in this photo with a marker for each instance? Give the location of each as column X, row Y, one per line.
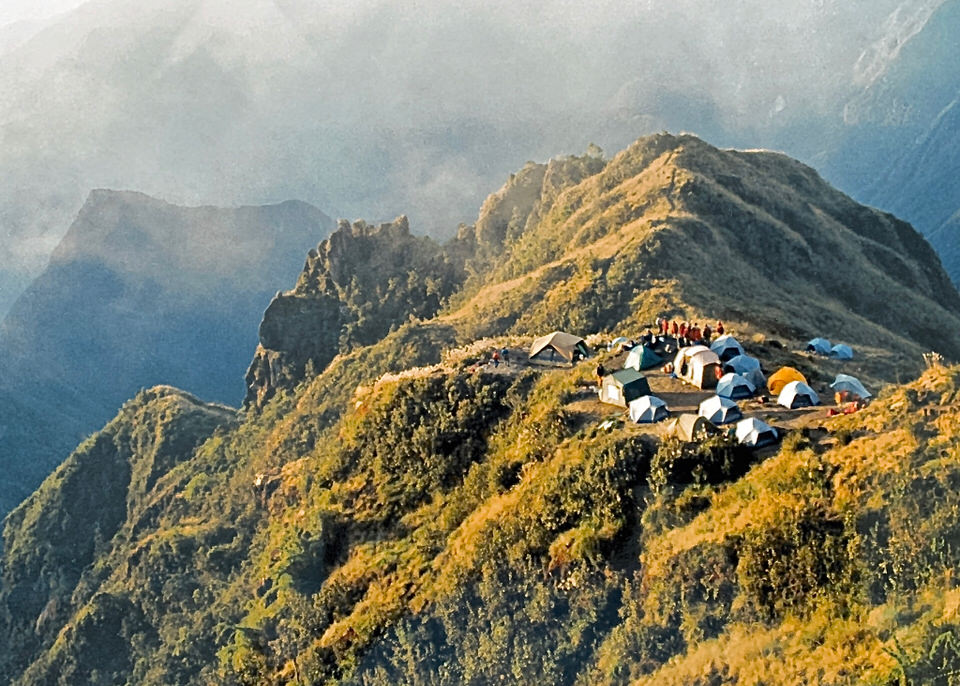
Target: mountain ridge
column 404, row 511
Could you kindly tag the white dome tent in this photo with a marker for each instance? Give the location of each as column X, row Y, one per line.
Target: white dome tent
column 720, row 410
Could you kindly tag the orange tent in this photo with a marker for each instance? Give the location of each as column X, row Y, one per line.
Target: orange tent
column 782, row 377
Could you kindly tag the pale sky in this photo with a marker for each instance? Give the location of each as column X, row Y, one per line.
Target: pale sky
column 18, row 10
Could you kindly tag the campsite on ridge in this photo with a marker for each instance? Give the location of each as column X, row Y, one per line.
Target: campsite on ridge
column 431, row 482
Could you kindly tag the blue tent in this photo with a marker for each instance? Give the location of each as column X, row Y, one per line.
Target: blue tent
column 726, row 347
column 748, row 367
column 735, row 387
column 841, row 352
column 821, row 346
column 642, row 357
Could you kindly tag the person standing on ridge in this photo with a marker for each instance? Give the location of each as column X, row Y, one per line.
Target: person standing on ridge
column 675, row 330
column 706, row 334
column 496, row 358
column 683, row 334
column 719, row 328
column 601, row 372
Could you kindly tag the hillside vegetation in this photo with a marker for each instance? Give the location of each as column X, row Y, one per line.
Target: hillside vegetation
column 387, row 510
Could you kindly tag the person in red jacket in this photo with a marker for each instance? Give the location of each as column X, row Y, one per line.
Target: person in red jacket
column 719, row 328
column 675, row 329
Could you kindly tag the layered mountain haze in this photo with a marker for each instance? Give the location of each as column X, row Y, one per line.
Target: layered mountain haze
column 897, row 150
column 139, row 292
column 390, row 509
column 365, row 109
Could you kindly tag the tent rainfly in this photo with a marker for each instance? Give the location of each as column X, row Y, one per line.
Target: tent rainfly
column 720, row 410
column 648, row 409
column 844, row 383
column 692, row 427
column 727, row 347
column 797, row 394
column 623, row 386
column 697, row 365
column 559, row 346
column 735, row 387
column 782, row 377
column 748, row 367
column 755, row 433
column 820, row 346
column 618, row 342
column 841, row 352
column 641, row 357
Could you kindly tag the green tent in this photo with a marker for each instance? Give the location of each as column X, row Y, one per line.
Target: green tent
column 623, row 386
column 642, row 357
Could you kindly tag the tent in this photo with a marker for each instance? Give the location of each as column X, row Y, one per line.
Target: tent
column 755, row 433
column 782, row 377
column 820, row 346
column 841, row 352
column 642, row 357
column 748, row 367
column 648, row 409
column 720, row 410
column 618, row 342
column 735, row 387
column 727, row 347
column 844, row 383
column 798, row 394
column 622, row 386
column 557, row 347
column 697, row 365
column 692, row 427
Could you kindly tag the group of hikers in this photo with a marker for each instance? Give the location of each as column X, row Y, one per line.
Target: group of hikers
column 686, row 333
column 502, row 355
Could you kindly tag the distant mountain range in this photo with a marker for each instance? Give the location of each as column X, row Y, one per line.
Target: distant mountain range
column 365, row 110
column 898, row 147
column 139, row 292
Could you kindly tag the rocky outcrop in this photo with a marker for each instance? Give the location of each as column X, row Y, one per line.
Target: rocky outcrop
column 521, row 202
column 356, row 286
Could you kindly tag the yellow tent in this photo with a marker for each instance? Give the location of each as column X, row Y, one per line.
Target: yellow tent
column 782, row 377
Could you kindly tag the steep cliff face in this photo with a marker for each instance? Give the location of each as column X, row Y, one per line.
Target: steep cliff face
column 53, row 538
column 356, row 286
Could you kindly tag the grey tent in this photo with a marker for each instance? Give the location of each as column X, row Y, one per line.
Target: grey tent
column 755, row 433
column 692, row 427
column 648, row 409
column 844, row 383
column 720, row 410
column 558, row 347
column 622, row 386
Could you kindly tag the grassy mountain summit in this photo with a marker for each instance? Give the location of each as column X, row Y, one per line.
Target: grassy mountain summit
column 388, row 509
